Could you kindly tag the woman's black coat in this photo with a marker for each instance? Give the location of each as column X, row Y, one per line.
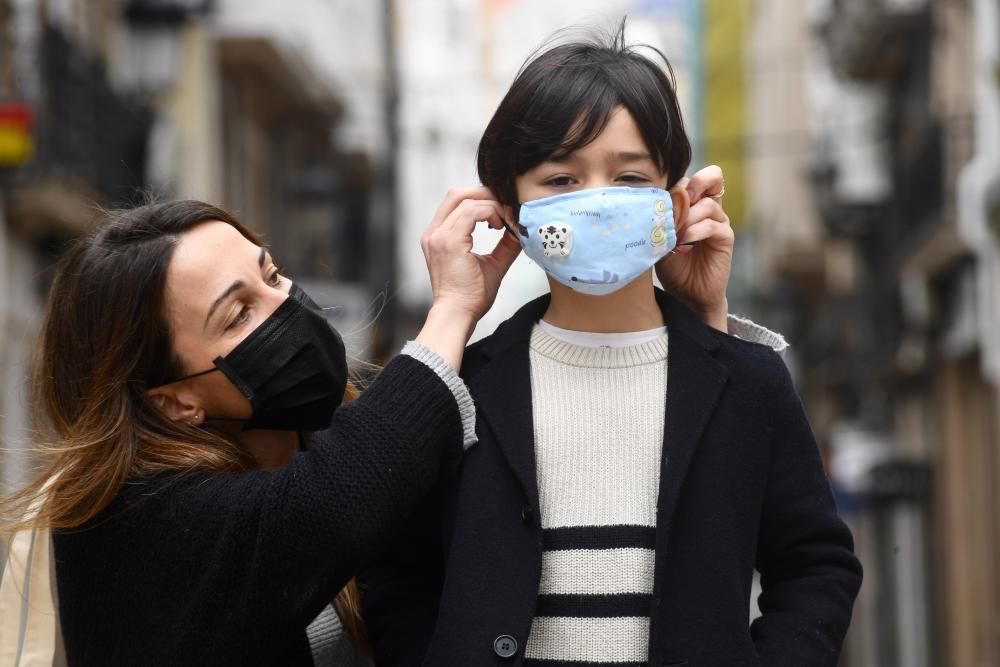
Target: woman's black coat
column 742, row 486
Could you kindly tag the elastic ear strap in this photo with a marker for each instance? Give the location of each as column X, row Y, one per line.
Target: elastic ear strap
column 196, row 375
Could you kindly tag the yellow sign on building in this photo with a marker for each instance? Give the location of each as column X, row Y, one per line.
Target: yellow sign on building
column 724, row 105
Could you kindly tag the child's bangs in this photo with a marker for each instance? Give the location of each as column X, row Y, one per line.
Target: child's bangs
column 576, row 107
column 566, row 114
column 583, row 118
column 563, row 99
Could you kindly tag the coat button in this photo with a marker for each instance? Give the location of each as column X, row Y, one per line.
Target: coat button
column 526, row 513
column 505, row 646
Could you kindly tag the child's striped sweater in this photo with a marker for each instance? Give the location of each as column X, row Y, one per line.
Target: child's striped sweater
column 598, row 421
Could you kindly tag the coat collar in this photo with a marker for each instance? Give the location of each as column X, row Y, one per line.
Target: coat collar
column 677, row 316
column 502, row 389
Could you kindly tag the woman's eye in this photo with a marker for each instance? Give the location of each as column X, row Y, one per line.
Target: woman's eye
column 275, row 278
column 240, row 318
column 559, row 181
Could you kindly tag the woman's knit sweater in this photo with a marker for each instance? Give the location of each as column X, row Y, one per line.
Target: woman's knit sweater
column 230, row 569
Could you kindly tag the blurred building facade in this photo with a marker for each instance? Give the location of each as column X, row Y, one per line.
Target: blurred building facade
column 870, row 166
column 249, row 105
column 87, row 146
column 874, row 229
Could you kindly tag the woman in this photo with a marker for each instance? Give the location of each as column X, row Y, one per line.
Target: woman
column 193, row 523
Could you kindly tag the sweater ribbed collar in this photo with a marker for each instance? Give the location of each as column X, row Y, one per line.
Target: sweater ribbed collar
column 547, row 345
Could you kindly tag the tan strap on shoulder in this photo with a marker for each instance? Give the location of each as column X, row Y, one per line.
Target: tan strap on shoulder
column 27, row 606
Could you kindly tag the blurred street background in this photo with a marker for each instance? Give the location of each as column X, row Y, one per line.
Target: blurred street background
column 860, row 141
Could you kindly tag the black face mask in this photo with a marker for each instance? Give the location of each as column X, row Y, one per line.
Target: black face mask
column 292, row 368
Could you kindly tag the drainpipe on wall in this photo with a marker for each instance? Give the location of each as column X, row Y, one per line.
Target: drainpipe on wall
column 696, row 40
column 977, row 179
column 5, row 333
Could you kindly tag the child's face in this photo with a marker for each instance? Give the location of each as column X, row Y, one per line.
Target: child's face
column 617, row 157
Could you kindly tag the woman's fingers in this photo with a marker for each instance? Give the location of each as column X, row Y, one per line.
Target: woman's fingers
column 488, row 210
column 454, row 198
column 466, row 213
column 706, row 229
column 706, row 182
column 706, row 219
column 706, row 209
column 703, row 189
column 505, row 252
column 455, row 233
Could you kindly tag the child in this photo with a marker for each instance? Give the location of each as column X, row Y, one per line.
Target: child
column 635, row 465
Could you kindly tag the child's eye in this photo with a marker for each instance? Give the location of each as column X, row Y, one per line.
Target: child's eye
column 559, row 181
column 633, row 178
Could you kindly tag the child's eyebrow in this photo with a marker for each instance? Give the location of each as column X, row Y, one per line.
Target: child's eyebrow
column 629, row 156
column 615, row 156
column 562, row 158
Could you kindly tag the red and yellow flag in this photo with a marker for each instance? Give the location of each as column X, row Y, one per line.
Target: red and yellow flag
column 16, row 141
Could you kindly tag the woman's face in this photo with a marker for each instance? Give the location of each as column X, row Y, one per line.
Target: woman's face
column 617, row 157
column 220, row 287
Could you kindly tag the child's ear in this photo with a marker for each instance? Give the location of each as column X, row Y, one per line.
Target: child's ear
column 177, row 405
column 508, row 220
column 682, row 203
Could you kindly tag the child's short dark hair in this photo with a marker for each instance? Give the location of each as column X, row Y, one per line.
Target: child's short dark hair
column 562, row 99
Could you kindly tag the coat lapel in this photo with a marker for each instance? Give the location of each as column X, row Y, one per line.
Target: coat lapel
column 694, row 383
column 695, row 380
column 503, row 394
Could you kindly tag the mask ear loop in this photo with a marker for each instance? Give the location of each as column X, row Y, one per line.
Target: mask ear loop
column 186, row 377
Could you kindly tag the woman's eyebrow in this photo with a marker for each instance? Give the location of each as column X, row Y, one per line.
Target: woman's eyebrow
column 238, row 285
column 261, row 258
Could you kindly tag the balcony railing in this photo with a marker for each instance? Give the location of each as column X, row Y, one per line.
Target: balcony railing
column 873, row 39
column 87, row 134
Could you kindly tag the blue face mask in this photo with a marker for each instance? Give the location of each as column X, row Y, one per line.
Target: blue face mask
column 597, row 241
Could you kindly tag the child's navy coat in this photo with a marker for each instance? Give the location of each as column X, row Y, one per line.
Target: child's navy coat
column 741, row 486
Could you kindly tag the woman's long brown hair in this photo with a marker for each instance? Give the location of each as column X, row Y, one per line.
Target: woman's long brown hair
column 105, row 342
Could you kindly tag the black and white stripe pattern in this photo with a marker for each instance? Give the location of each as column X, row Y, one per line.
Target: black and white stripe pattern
column 598, row 416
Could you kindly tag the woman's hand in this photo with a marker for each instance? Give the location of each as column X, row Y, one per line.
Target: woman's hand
column 464, row 284
column 698, row 274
